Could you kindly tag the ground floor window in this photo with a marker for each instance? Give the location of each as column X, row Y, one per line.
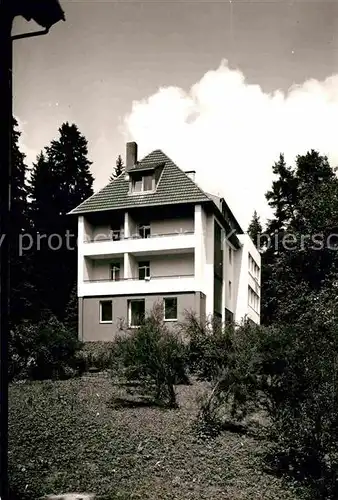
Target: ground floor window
column 136, row 312
column 228, row 316
column 106, row 311
column 170, row 308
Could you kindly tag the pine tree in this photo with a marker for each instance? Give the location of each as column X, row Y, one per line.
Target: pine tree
column 299, row 257
column 61, row 180
column 118, row 169
column 19, row 264
column 255, row 229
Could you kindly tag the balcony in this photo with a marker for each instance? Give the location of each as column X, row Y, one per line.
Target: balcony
column 134, row 286
column 154, row 244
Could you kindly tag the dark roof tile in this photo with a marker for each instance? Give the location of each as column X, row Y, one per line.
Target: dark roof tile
column 174, row 186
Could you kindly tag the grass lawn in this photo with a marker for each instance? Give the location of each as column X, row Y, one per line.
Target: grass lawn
column 69, row 436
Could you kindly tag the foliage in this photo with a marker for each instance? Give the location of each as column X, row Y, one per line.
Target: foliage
column 289, row 371
column 72, row 314
column 153, row 355
column 21, row 291
column 60, row 181
column 42, row 351
column 118, row 169
column 300, row 377
column 207, row 346
column 255, row 229
column 302, row 232
column 97, row 356
column 235, row 390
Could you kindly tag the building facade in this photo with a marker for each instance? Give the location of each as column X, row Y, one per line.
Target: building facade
column 153, row 236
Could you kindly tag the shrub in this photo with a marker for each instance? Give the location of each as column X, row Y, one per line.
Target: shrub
column 289, row 370
column 41, row 351
column 155, row 356
column 208, row 346
column 235, row 391
column 300, row 364
column 96, row 356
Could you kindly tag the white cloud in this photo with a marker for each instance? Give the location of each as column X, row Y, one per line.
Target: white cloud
column 231, row 132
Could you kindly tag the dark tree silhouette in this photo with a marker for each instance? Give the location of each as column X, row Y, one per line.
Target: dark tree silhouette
column 255, row 229
column 61, row 180
column 300, row 255
column 118, row 169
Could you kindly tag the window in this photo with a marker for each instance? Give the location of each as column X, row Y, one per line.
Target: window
column 106, row 311
column 115, row 271
column 136, row 312
column 142, row 183
column 137, row 186
column 143, row 270
column 230, row 290
column 170, row 308
column 230, row 255
column 253, row 299
column 144, row 230
column 228, row 316
column 253, row 267
column 116, row 233
column 147, row 183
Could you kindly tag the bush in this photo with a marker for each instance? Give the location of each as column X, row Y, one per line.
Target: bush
column 289, row 370
column 235, row 390
column 97, row 356
column 300, row 364
column 208, row 346
column 41, row 351
column 154, row 356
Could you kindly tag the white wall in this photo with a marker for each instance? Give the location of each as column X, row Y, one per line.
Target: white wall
column 172, row 265
column 243, row 279
column 101, row 269
column 208, row 277
column 87, row 230
column 229, row 275
column 130, row 266
column 87, row 269
column 102, row 231
column 170, row 226
column 167, row 226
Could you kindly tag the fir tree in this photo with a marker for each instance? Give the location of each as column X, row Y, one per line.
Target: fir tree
column 255, row 229
column 19, row 264
column 61, row 180
column 118, row 169
column 300, row 255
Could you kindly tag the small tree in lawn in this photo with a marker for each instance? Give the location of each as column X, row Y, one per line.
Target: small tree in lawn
column 154, row 356
column 118, row 169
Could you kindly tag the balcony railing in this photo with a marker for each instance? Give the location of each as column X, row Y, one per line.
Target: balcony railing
column 151, row 278
column 118, row 236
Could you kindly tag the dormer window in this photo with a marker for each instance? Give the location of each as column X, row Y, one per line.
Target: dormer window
column 142, row 183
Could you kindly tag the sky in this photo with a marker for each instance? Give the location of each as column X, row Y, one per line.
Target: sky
column 222, row 87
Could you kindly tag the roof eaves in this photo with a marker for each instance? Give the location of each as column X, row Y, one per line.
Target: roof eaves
column 141, row 205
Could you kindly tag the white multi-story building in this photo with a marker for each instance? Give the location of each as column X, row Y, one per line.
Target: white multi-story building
column 153, row 235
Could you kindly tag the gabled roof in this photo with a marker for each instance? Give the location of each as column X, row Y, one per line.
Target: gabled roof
column 174, row 186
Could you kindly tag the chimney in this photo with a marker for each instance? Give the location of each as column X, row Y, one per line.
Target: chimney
column 131, row 155
column 191, row 174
